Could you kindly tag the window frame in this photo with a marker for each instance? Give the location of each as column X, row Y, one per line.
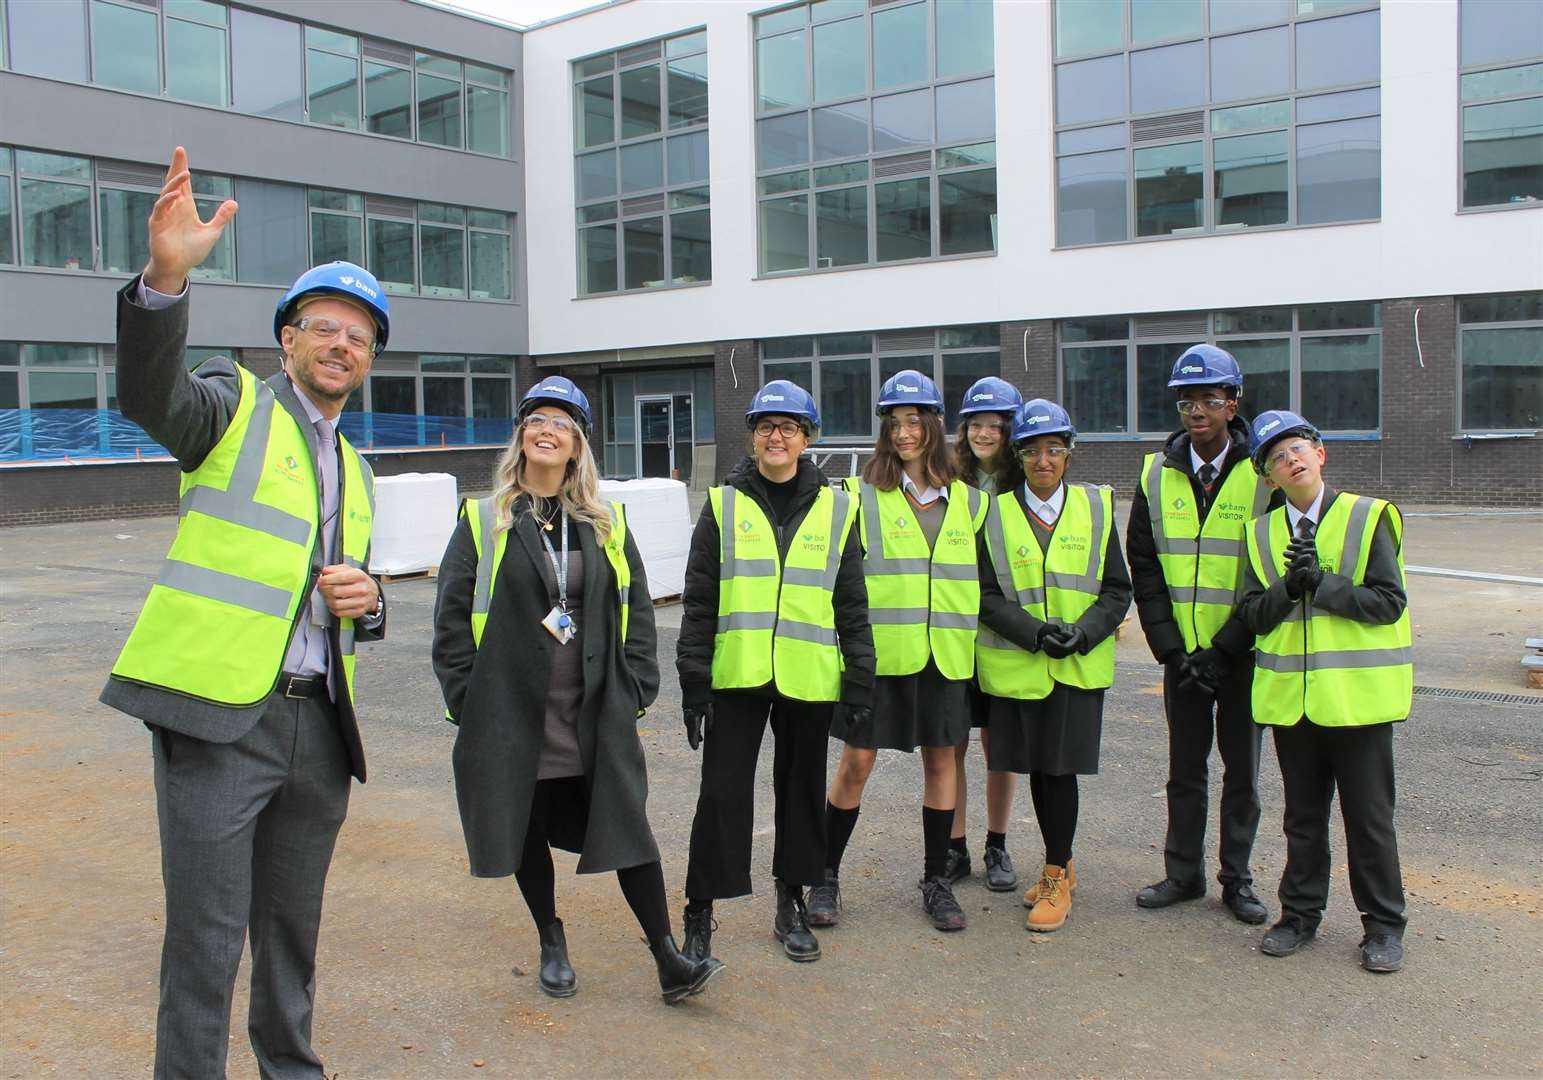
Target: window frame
column 1464, row 70
column 1462, row 427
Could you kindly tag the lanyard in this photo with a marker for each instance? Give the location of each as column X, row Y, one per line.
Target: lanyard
column 559, row 568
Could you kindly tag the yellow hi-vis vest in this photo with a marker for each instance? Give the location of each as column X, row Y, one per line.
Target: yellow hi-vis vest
column 1202, row 563
column 776, row 622
column 1054, row 586
column 234, row 585
column 921, row 601
column 482, row 517
column 1335, row 671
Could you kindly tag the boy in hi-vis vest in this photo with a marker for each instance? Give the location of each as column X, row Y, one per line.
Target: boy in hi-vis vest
column 1324, row 594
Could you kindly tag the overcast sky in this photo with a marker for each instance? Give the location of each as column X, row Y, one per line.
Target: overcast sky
column 523, row 12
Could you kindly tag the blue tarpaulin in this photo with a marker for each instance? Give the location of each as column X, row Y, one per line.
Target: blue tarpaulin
column 54, row 434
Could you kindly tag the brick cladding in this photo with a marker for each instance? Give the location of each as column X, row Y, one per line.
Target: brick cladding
column 731, row 401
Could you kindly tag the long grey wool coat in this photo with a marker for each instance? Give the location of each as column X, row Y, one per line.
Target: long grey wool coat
column 497, row 695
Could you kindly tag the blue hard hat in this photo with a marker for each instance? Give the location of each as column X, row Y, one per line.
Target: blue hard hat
column 909, row 388
column 557, row 390
column 1206, row 365
column 991, row 394
column 338, row 279
column 1270, row 427
column 783, row 398
column 1041, row 417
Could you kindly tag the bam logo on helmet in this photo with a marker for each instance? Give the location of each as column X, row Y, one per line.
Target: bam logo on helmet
column 1267, row 428
column 1192, row 369
column 355, row 283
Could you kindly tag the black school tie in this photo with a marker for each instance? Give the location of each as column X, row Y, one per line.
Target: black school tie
column 1305, row 527
column 1207, row 477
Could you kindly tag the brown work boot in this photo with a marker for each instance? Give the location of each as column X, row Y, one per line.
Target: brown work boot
column 1031, row 894
column 1055, row 901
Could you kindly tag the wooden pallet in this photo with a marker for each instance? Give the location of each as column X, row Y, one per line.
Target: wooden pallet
column 411, row 575
column 663, row 601
column 1532, row 663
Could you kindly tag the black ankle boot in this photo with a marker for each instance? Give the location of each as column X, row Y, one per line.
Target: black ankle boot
column 699, row 928
column 680, row 976
column 557, row 978
column 792, row 925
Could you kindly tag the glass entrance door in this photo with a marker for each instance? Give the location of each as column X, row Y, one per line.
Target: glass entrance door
column 664, row 436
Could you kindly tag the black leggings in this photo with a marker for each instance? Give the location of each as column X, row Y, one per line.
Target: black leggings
column 643, row 886
column 1055, row 805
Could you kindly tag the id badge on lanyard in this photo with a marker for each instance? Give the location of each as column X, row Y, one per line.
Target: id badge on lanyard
column 558, row 622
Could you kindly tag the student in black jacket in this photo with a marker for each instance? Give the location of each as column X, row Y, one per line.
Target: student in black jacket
column 775, row 628
column 1186, row 550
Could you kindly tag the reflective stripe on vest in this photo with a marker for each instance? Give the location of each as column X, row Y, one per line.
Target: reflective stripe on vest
column 777, row 623
column 1335, row 671
column 220, row 616
column 921, row 601
column 1055, row 586
column 1202, row 563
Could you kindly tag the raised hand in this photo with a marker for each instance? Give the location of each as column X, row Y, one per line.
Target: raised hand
column 179, row 238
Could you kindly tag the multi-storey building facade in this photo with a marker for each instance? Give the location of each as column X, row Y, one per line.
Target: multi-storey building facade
column 1347, row 195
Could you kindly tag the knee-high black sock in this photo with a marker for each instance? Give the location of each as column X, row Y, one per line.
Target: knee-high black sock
column 538, row 883
column 643, row 886
column 1058, row 821
column 839, row 824
column 936, row 825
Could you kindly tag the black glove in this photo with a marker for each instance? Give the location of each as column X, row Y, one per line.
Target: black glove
column 699, row 721
column 1299, row 546
column 1303, row 575
column 858, row 716
column 1064, row 642
column 1204, row 671
column 1045, row 632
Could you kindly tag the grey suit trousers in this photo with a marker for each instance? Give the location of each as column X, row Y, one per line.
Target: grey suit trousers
column 247, row 832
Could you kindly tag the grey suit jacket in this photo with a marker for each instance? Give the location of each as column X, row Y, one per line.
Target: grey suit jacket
column 188, row 413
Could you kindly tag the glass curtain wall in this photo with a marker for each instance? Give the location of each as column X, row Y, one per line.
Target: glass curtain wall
column 875, row 133
column 1175, row 117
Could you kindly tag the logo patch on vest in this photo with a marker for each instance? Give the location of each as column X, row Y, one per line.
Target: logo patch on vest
column 745, row 526
column 1178, row 503
column 1022, row 550
column 289, row 469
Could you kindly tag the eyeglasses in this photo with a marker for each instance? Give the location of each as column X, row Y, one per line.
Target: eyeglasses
column 788, row 428
column 1299, row 449
column 1189, row 406
column 903, row 423
column 560, row 424
column 358, row 337
column 1034, row 453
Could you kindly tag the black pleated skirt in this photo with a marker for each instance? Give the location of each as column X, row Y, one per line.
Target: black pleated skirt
column 1059, row 734
column 909, row 711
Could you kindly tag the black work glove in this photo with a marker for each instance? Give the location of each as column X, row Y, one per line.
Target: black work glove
column 1298, row 546
column 699, row 721
column 1204, row 671
column 1304, row 574
column 1045, row 632
column 1066, row 641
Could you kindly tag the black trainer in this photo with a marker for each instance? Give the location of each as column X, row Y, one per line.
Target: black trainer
column 699, row 926
column 1000, row 875
column 1382, row 953
column 956, row 865
column 1244, row 903
column 825, row 901
column 792, row 925
column 1286, row 937
column 939, row 903
column 1168, row 892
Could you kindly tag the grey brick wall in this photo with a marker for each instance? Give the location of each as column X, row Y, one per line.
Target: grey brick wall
column 731, row 401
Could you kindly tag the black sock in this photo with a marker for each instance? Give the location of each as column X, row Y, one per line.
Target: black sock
column 996, row 839
column 956, row 843
column 839, row 824
column 936, row 825
column 643, row 886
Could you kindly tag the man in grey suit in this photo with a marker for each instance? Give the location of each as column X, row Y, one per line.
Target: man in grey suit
column 241, row 661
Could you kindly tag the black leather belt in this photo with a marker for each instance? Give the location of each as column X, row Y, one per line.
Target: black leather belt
column 301, row 686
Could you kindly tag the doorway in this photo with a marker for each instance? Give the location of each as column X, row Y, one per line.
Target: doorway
column 665, row 441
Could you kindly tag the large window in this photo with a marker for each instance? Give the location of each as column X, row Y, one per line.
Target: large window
column 641, row 171
column 1323, row 361
column 875, row 133
column 845, row 371
column 1500, row 343
column 1167, row 126
column 432, row 399
column 55, row 210
column 1502, row 103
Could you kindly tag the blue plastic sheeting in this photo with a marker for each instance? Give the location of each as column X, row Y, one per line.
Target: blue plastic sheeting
column 55, row 434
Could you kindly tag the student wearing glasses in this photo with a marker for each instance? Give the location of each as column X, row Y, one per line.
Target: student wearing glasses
column 1186, row 548
column 544, row 648
column 774, row 631
column 1053, row 591
column 918, row 527
column 1324, row 592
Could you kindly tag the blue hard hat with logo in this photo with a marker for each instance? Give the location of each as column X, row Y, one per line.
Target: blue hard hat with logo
column 783, row 398
column 1041, row 417
column 909, row 388
column 557, row 390
column 1206, row 365
column 342, row 279
column 991, row 394
column 1269, row 428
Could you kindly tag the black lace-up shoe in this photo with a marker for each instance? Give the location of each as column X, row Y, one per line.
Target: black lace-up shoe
column 699, row 927
column 956, row 866
column 1382, row 953
column 825, row 901
column 1245, row 904
column 939, row 903
column 1000, row 875
column 1168, row 892
column 792, row 925
column 1286, row 937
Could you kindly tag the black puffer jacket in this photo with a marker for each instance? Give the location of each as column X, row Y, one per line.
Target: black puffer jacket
column 1162, row 633
column 699, row 621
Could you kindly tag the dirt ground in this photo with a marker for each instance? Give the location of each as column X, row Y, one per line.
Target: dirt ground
column 425, row 972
